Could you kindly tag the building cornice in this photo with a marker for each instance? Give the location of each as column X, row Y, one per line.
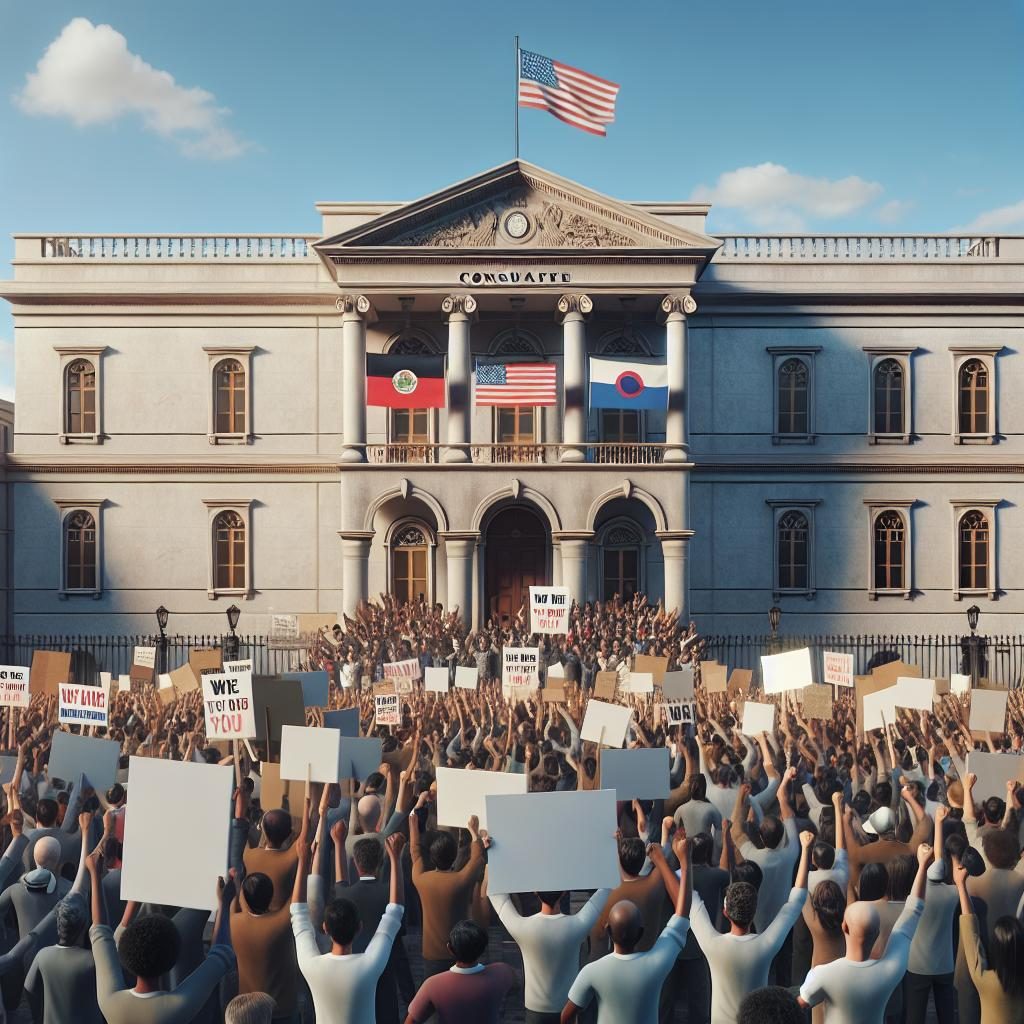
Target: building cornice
column 874, row 467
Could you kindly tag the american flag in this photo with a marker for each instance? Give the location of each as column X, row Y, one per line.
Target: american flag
column 506, row 384
column 576, row 97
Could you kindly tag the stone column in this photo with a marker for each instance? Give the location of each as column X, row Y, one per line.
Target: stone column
column 355, row 568
column 574, row 545
column 676, row 307
column 574, row 375
column 459, row 309
column 354, row 309
column 673, row 557
column 459, row 549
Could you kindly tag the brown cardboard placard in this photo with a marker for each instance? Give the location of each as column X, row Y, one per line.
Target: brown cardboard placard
column 605, row 685
column 49, row 670
column 863, row 685
column 888, row 673
column 713, row 676
column 201, row 659
column 739, row 683
column 384, row 686
column 277, row 793
column 649, row 663
column 817, row 701
column 941, row 688
column 552, row 694
column 184, row 679
column 142, row 677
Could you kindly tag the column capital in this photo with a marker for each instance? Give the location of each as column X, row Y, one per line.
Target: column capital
column 357, row 306
column 357, row 536
column 458, row 305
column 679, row 303
column 575, row 302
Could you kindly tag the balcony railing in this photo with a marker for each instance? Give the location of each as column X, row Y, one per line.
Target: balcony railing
column 172, row 247
column 856, row 247
column 607, row 454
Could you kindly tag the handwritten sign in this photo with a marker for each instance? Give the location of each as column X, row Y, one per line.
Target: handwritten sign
column 838, row 669
column 14, row 686
column 403, row 670
column 549, row 609
column 144, row 657
column 519, row 666
column 82, row 705
column 679, row 713
column 228, row 706
column 389, row 708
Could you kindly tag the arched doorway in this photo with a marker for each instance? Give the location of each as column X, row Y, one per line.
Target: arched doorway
column 516, row 559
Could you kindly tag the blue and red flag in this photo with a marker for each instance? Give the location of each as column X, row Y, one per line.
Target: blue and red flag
column 628, row 383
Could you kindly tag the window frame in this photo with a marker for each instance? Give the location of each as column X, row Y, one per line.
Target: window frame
column 641, row 425
column 903, row 356
column 216, row 354
column 640, row 547
column 214, row 507
column 68, row 507
column 904, row 507
column 69, row 354
column 431, row 537
column 779, row 507
column 987, row 355
column 806, row 354
column 988, row 507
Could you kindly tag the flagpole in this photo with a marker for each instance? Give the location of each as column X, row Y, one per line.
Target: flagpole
column 517, row 97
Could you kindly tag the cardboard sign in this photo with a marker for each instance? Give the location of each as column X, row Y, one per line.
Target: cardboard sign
column 284, row 627
column 988, row 710
column 640, row 682
column 124, row 683
column 640, row 774
column 680, row 714
column 790, row 670
column 319, row 749
column 165, row 689
column 649, row 663
column 49, row 670
column 917, row 694
column 283, row 699
column 552, row 842
column 14, row 686
column 205, row 659
column 408, row 669
column 519, row 667
column 549, row 609
column 316, row 687
column 739, row 683
column 605, row 724
column 346, row 721
column 994, row 771
column 466, row 677
column 176, row 798
column 605, row 685
column 436, row 680
column 838, row 669
column 276, row 792
column 757, row 718
column 82, row 705
column 880, row 709
column 678, row 685
column 184, row 680
column 229, row 707
column 144, row 657
column 863, row 687
column 888, row 673
column 714, row 677
column 553, row 693
column 462, row 793
column 556, row 670
column 959, row 684
column 97, row 759
column 388, row 707
column 817, row 701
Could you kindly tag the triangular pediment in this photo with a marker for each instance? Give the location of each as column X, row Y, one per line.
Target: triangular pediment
column 517, row 207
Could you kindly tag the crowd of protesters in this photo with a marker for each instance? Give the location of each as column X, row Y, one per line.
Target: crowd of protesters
column 816, row 873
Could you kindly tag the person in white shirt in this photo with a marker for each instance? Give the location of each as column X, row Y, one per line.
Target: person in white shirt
column 831, row 864
column 550, row 943
column 343, row 984
column 855, row 989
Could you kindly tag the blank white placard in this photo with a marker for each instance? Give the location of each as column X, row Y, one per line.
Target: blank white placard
column 993, row 771
column 916, row 694
column 461, row 793
column 879, row 708
column 988, row 710
column 790, row 670
column 71, row 753
column 435, row 680
column 959, row 684
column 758, row 718
column 640, row 774
column 552, row 842
column 176, row 838
column 317, row 748
column 640, row 682
column 467, row 677
column 678, row 686
column 605, row 723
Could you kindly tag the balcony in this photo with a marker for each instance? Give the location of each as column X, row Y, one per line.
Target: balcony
column 849, row 248
column 605, row 454
column 179, row 248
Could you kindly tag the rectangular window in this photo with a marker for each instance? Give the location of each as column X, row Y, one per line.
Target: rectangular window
column 621, row 575
column 620, row 426
column 516, row 425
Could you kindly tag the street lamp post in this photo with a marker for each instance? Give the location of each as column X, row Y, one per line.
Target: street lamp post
column 974, row 641
column 231, row 642
column 774, row 614
column 161, row 620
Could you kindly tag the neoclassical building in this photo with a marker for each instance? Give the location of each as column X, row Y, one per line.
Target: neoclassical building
column 842, row 436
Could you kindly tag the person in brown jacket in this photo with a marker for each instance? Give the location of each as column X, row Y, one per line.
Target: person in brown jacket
column 444, row 892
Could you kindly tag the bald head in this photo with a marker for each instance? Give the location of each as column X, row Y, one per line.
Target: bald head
column 626, row 924
column 47, row 853
column 277, row 827
column 861, row 924
column 370, row 811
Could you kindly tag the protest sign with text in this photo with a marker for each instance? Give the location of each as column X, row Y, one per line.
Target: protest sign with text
column 389, row 708
column 14, row 686
column 838, row 669
column 519, row 666
column 228, row 704
column 549, row 609
column 403, row 670
column 83, row 705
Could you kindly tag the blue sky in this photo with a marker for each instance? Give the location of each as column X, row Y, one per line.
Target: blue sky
column 200, row 116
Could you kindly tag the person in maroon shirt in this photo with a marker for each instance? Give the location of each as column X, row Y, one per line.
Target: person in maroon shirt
column 468, row 993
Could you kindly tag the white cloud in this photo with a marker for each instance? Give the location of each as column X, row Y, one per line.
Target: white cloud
column 893, row 211
column 89, row 76
column 774, row 198
column 1002, row 218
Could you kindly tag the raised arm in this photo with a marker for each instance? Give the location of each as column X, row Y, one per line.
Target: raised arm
column 394, row 844
column 803, row 870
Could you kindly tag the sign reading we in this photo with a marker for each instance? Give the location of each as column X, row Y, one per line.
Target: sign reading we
column 228, row 706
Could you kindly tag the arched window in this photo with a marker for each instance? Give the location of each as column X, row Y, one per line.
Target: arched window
column 792, row 543
column 793, row 392
column 229, row 397
column 620, row 557
column 229, row 555
column 890, row 551
column 974, row 550
column 889, row 386
column 410, row 549
column 80, row 397
column 973, row 398
column 80, row 548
